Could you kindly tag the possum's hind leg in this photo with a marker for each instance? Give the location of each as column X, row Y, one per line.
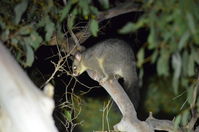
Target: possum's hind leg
column 107, row 76
column 104, row 78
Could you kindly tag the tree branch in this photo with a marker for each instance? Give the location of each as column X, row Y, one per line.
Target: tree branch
column 130, row 122
column 161, row 125
column 84, row 34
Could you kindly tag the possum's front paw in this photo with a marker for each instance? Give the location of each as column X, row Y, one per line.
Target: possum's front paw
column 104, row 79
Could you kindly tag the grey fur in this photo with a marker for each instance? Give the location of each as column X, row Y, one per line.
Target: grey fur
column 118, row 61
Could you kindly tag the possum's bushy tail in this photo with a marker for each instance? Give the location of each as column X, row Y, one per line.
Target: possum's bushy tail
column 131, row 87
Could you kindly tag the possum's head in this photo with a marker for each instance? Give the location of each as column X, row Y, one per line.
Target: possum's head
column 78, row 66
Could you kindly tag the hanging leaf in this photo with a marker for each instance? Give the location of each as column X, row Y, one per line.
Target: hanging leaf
column 94, row 27
column 152, row 39
column 140, row 56
column 49, row 28
column 29, row 55
column 183, row 40
column 25, row 30
column 94, row 10
column 176, row 65
column 131, row 27
column 185, row 117
column 191, row 23
column 64, row 12
column 84, row 5
column 195, row 54
column 185, row 59
column 71, row 19
column 34, row 40
column 127, row 28
column 154, row 56
column 104, row 3
column 163, row 63
column 190, row 95
column 68, row 115
column 190, row 65
column 177, row 121
column 19, row 10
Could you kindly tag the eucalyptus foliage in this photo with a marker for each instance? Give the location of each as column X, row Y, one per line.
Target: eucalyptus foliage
column 173, row 41
column 173, row 38
column 25, row 25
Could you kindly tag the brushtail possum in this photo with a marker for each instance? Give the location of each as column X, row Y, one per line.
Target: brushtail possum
column 110, row 58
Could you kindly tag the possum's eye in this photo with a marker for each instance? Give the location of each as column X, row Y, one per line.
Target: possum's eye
column 74, row 67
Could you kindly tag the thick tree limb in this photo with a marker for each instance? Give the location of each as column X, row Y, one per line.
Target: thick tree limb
column 23, row 107
column 161, row 125
column 130, row 122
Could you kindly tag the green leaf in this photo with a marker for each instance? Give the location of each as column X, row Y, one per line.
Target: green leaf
column 163, row 63
column 191, row 23
column 140, row 56
column 185, row 59
column 84, row 4
column 152, row 39
column 104, row 3
column 177, row 121
column 19, row 10
column 49, row 28
column 71, row 19
column 129, row 27
column 154, row 56
column 190, row 94
column 68, row 115
column 94, row 27
column 29, row 55
column 42, row 22
column 34, row 40
column 190, row 65
column 185, row 117
column 64, row 12
column 176, row 65
column 94, row 10
column 25, row 30
column 183, row 40
column 184, row 82
column 195, row 54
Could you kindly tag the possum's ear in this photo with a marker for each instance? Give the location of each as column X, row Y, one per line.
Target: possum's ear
column 78, row 56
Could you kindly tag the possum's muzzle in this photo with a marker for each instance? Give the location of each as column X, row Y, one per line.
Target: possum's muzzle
column 75, row 73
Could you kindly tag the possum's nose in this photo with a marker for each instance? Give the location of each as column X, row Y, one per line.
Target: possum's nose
column 75, row 74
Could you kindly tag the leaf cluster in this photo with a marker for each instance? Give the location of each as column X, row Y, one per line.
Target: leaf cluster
column 25, row 25
column 173, row 41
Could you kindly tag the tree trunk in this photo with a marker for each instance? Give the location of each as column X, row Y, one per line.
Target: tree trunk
column 23, row 107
